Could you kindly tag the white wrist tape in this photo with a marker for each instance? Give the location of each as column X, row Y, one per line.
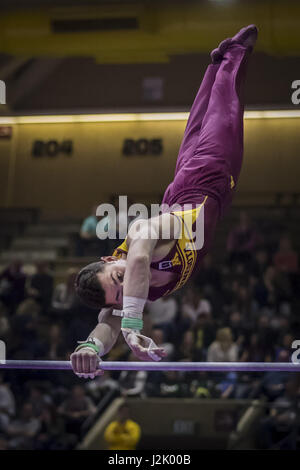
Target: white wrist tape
column 133, row 307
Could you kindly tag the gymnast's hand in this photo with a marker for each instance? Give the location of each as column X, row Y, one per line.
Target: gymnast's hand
column 143, row 347
column 85, row 363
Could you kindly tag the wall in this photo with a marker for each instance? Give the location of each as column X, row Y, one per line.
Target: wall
column 70, row 185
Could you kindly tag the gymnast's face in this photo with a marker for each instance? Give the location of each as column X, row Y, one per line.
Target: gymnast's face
column 111, row 279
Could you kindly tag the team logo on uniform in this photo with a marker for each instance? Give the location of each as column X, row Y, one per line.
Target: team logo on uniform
column 169, row 264
column 165, row 265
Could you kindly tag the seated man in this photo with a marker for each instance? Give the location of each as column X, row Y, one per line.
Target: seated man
column 148, row 265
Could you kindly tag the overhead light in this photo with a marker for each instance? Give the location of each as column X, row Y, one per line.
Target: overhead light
column 134, row 117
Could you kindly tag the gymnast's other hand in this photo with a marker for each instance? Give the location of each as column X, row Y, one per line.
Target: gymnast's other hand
column 143, row 347
column 85, row 363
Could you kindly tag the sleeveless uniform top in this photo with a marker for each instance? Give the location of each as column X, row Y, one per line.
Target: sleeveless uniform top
column 182, row 259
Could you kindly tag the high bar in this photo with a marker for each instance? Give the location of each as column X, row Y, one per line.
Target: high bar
column 160, row 366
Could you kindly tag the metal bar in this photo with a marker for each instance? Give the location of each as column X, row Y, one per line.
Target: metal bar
column 162, row 366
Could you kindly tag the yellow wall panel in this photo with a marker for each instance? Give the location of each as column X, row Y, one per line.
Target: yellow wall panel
column 63, row 185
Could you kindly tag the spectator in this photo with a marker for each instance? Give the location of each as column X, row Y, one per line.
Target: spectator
column 38, row 400
column 76, row 409
column 279, row 430
column 186, row 349
column 124, row 433
column 237, row 327
column 162, row 313
column 22, row 430
column 259, row 263
column 55, row 344
column 253, row 350
column 3, row 443
column 173, row 385
column 4, row 322
column 7, row 404
column 265, row 291
column 132, row 382
column 12, row 285
column 40, row 286
column 88, row 244
column 159, row 339
column 194, row 304
column 64, row 293
column 208, row 278
column 242, row 240
column 102, row 384
column 286, row 259
column 52, row 434
column 223, row 349
column 204, row 335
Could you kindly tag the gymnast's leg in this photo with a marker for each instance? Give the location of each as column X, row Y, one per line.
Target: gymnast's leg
column 221, row 135
column 197, row 113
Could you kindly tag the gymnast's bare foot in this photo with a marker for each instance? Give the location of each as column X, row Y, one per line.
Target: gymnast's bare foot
column 246, row 37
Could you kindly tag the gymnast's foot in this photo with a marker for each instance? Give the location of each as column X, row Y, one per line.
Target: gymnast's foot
column 246, row 37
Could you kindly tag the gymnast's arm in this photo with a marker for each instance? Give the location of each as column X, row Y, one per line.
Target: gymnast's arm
column 143, row 237
column 85, row 359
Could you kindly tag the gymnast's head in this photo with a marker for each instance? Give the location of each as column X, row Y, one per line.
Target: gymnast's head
column 100, row 284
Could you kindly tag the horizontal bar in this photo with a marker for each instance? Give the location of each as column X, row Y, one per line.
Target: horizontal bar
column 161, row 366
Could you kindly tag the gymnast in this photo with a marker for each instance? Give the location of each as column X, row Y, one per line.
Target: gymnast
column 148, row 266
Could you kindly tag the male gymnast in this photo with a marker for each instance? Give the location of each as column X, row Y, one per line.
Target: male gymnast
column 148, row 266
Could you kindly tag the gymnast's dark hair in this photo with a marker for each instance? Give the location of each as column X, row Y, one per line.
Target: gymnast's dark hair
column 88, row 287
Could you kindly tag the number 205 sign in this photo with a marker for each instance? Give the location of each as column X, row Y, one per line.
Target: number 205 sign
column 142, row 147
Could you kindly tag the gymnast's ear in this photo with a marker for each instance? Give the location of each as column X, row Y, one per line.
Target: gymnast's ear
column 108, row 259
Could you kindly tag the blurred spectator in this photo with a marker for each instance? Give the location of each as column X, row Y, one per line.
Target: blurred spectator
column 64, row 293
column 253, row 350
column 200, row 385
column 237, row 326
column 193, row 304
column 208, row 278
column 186, row 349
column 56, row 348
column 204, row 335
column 223, row 349
column 3, row 443
column 279, row 430
column 173, row 385
column 12, row 285
column 259, row 262
column 40, row 285
column 162, row 313
column 76, row 408
column 4, row 322
column 285, row 344
column 7, row 404
column 123, row 433
column 159, row 339
column 88, row 244
column 38, row 399
column 23, row 429
column 101, row 385
column 52, row 434
column 242, row 240
column 286, row 258
column 132, row 382
column 265, row 291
